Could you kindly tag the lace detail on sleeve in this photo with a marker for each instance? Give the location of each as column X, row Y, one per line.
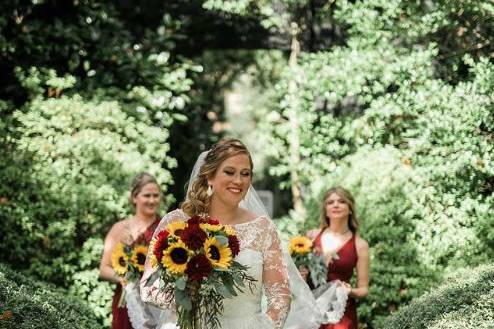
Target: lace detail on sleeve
column 275, row 277
column 152, row 294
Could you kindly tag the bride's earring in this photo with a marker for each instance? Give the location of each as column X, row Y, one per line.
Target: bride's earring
column 209, row 192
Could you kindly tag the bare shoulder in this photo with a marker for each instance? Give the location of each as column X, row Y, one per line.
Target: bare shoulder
column 362, row 245
column 117, row 231
column 246, row 215
column 120, row 226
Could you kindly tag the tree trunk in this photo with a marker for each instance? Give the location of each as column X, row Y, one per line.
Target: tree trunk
column 294, row 138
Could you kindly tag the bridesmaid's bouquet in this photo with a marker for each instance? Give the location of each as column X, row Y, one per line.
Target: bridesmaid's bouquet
column 128, row 262
column 303, row 254
column 195, row 262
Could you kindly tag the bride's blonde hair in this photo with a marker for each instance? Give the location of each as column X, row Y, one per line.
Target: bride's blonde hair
column 197, row 201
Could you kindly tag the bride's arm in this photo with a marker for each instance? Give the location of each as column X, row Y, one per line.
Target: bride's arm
column 275, row 277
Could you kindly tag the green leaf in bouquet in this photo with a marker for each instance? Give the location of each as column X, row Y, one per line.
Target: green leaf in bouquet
column 238, row 281
column 223, row 240
column 219, row 269
column 318, row 270
column 182, row 299
column 152, row 278
column 222, row 290
column 181, row 283
column 239, row 266
column 229, row 283
column 128, row 250
column 231, row 289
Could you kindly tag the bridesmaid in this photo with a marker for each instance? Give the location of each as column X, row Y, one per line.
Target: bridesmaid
column 343, row 250
column 145, row 197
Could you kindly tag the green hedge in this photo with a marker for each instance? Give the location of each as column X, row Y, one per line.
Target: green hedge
column 465, row 300
column 39, row 305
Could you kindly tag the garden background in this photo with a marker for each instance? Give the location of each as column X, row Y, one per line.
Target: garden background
column 391, row 99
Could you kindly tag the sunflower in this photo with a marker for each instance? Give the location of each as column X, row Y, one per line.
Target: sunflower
column 176, row 228
column 176, row 257
column 229, row 230
column 119, row 259
column 153, row 261
column 211, row 227
column 138, row 257
column 299, row 245
column 219, row 255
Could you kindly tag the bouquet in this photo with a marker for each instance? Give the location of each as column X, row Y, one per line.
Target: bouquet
column 195, row 262
column 128, row 262
column 303, row 254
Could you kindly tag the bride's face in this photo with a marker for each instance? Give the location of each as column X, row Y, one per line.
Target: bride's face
column 232, row 179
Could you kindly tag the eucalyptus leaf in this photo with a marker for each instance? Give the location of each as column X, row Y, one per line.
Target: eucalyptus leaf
column 223, row 240
column 182, row 299
column 181, row 283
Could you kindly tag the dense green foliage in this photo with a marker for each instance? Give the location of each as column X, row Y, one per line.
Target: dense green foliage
column 37, row 305
column 88, row 92
column 392, row 99
column 72, row 160
column 465, row 300
column 401, row 114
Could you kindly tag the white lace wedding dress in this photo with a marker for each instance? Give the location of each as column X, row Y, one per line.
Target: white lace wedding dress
column 260, row 250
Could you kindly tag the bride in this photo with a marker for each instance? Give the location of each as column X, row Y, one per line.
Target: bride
column 220, row 186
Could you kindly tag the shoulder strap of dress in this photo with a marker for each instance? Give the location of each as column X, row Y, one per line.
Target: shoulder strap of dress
column 318, row 236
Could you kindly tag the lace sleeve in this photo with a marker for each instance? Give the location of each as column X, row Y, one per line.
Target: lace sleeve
column 152, row 294
column 275, row 277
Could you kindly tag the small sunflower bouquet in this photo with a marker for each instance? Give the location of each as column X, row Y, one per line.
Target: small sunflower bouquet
column 195, row 261
column 303, row 254
column 128, row 262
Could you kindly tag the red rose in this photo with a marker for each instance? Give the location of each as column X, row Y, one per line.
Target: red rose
column 195, row 220
column 213, row 221
column 198, row 267
column 160, row 244
column 234, row 244
column 193, row 236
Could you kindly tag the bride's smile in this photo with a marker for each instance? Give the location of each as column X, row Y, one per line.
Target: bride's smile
column 232, row 180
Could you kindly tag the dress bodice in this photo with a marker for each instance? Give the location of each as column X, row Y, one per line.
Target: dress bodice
column 342, row 267
column 260, row 251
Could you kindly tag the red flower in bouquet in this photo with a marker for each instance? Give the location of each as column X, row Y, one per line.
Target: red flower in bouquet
column 195, row 220
column 160, row 244
column 213, row 221
column 199, row 267
column 234, row 244
column 193, row 236
column 194, row 258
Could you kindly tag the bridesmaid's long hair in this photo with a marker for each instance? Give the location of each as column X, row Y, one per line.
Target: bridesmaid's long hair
column 197, row 201
column 353, row 222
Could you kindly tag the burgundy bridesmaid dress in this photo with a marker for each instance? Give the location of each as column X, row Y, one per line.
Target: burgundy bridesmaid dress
column 120, row 316
column 342, row 269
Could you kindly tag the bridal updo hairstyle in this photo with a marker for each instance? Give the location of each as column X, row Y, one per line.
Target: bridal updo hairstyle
column 197, row 201
column 353, row 222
